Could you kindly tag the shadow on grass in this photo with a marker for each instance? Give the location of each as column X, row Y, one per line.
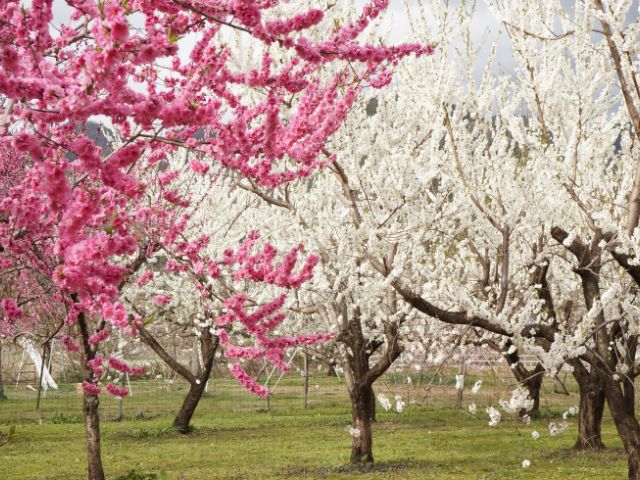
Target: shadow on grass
column 395, row 466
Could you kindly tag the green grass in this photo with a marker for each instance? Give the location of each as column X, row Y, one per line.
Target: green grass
column 237, row 438
column 423, row 443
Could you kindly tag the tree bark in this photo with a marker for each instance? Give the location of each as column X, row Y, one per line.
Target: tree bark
column 198, row 383
column 2, row 395
column 590, row 417
column 92, row 430
column 362, row 444
column 622, row 411
column 189, row 405
column 533, row 384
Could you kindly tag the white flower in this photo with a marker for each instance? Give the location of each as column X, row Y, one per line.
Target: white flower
column 519, row 400
column 472, row 409
column 535, row 435
column 476, row 387
column 354, row 432
column 556, row 429
column 494, row 416
column 526, row 463
column 384, row 401
column 399, row 404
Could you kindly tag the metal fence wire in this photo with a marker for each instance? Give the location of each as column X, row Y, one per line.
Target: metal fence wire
column 156, row 397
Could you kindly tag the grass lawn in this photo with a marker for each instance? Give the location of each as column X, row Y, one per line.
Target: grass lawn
column 426, row 442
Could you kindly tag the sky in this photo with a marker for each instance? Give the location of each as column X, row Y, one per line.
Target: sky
column 485, row 28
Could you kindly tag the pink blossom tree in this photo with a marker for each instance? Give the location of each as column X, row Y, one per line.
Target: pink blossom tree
column 161, row 76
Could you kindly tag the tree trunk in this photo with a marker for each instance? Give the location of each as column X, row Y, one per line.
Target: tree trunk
column 362, row 445
column 372, row 404
column 533, row 385
column 530, row 379
column 592, row 399
column 209, row 345
column 623, row 413
column 629, row 431
column 590, row 417
column 2, row 395
column 189, row 405
column 92, row 430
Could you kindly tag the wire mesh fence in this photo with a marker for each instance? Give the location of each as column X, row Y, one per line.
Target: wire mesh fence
column 163, row 397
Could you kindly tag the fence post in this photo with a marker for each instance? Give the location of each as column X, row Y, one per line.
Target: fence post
column 460, row 381
column 306, row 379
column 120, row 414
column 45, row 349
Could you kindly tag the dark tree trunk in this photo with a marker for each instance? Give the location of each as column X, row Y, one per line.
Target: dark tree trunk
column 2, row 395
column 209, row 345
column 529, row 379
column 590, row 417
column 92, row 430
column 621, row 404
column 362, row 376
column 362, row 445
column 533, row 384
column 189, row 405
column 372, row 404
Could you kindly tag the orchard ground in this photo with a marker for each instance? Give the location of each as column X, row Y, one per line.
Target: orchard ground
column 237, row 437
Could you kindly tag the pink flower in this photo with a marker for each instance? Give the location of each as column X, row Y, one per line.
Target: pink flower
column 120, row 31
column 120, row 366
column 90, row 388
column 99, row 337
column 247, row 382
column 161, row 299
column 199, row 167
column 70, row 344
column 144, row 278
column 117, row 391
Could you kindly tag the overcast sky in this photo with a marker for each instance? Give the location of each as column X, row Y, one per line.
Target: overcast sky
column 485, row 29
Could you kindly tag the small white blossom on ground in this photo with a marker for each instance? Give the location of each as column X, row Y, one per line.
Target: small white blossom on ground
column 556, row 429
column 476, row 387
column 526, row 463
column 535, row 435
column 494, row 416
column 472, row 409
column 570, row 413
column 384, row 401
column 354, row 432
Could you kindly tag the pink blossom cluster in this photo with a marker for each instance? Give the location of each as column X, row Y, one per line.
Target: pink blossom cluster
column 259, row 267
column 121, row 366
column 72, row 212
column 117, row 391
column 247, row 381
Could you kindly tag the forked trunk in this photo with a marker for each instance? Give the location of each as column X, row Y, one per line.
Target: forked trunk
column 189, row 405
column 362, row 445
column 590, row 417
column 92, row 430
